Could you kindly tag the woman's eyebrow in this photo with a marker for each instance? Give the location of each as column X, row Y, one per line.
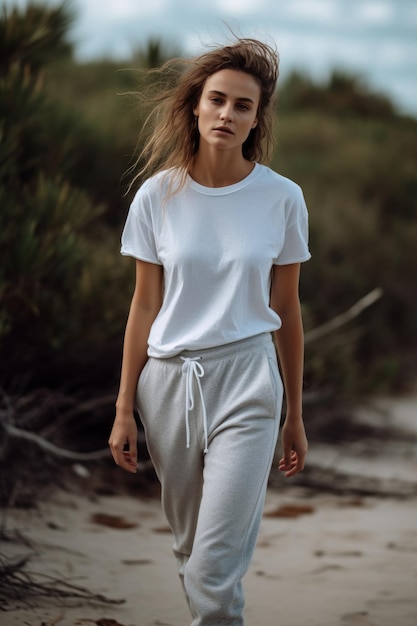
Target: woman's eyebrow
column 241, row 98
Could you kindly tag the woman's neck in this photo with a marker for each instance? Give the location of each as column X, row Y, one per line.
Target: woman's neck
column 220, row 169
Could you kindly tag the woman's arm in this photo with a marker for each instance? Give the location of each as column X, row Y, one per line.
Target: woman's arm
column 146, row 303
column 290, row 344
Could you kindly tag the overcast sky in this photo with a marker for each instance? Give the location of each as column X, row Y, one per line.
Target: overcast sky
column 376, row 39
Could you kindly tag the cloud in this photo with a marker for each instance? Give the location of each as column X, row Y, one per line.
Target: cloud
column 319, row 11
column 373, row 13
column 239, row 7
column 373, row 38
column 120, row 10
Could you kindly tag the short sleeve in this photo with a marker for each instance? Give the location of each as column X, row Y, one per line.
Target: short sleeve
column 295, row 248
column 138, row 236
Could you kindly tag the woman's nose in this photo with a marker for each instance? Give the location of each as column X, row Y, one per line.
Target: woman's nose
column 226, row 112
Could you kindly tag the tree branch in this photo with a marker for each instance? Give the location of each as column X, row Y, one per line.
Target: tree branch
column 18, row 433
column 343, row 318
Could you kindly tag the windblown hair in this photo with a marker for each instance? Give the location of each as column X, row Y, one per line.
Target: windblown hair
column 171, row 133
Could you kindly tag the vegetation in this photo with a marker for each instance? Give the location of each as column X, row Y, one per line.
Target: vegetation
column 67, row 138
column 356, row 161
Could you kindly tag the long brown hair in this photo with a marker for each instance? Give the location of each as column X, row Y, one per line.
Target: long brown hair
column 171, row 134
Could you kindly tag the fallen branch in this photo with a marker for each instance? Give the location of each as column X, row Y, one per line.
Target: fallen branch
column 17, row 584
column 51, row 448
column 343, row 318
column 76, row 410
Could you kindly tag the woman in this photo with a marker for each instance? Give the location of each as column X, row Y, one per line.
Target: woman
column 218, row 240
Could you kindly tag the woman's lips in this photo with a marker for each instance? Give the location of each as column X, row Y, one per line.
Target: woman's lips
column 224, row 129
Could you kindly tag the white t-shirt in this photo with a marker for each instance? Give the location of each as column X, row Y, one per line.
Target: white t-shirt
column 217, row 247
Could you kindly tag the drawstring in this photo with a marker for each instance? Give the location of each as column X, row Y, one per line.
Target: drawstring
column 192, row 368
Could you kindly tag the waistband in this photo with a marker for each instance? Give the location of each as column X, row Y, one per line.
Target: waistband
column 248, row 344
column 192, row 365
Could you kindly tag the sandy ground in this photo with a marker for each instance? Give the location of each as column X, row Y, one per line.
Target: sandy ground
column 338, row 559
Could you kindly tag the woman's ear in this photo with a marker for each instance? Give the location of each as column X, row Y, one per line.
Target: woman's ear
column 255, row 123
column 196, row 110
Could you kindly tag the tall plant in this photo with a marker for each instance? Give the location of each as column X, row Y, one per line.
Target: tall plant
column 43, row 215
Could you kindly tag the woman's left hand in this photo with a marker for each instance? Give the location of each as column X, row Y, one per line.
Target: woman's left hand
column 295, row 446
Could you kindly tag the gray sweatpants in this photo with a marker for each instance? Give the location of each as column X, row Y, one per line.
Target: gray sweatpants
column 223, row 403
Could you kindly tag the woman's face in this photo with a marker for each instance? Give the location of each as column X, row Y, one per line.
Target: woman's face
column 227, row 110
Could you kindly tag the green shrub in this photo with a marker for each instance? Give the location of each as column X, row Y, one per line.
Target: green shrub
column 42, row 255
column 67, row 137
column 47, row 218
column 359, row 177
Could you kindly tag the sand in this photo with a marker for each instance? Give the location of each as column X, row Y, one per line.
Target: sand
column 335, row 559
column 342, row 560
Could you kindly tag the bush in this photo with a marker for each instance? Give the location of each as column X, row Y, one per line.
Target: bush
column 42, row 255
column 48, row 219
column 359, row 177
column 67, row 137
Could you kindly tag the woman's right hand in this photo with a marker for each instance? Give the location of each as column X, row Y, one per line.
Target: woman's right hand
column 123, row 442
column 145, row 305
